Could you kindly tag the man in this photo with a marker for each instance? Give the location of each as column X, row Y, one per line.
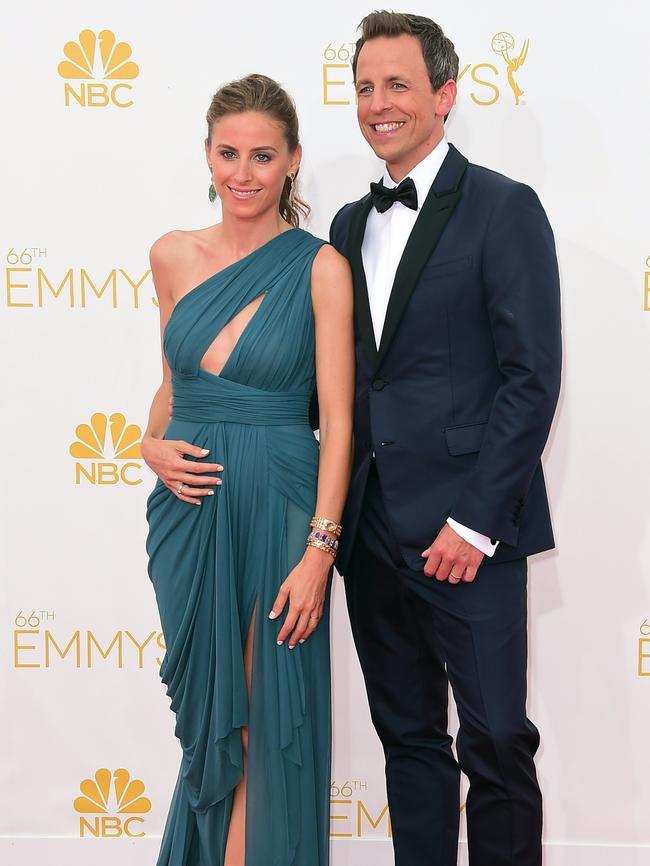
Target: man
column 458, row 372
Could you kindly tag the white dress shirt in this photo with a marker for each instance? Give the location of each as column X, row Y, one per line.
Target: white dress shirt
column 383, row 245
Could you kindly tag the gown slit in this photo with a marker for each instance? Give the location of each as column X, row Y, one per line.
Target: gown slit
column 248, row 654
column 216, row 570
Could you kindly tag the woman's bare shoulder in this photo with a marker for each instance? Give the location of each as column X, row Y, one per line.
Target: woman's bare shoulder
column 176, row 246
column 331, row 272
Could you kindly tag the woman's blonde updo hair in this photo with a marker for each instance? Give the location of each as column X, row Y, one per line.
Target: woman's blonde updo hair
column 260, row 93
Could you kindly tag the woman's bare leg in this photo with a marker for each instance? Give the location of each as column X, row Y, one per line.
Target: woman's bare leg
column 235, row 850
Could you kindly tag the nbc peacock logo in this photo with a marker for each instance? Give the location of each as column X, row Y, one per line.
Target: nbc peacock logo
column 90, row 62
column 115, row 801
column 107, row 451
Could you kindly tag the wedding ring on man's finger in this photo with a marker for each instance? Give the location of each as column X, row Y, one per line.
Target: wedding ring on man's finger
column 454, row 576
column 311, row 616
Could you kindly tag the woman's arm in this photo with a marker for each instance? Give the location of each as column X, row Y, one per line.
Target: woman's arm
column 332, row 299
column 332, row 302
column 166, row 456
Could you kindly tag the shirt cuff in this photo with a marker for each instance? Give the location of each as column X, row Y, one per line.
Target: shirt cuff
column 481, row 542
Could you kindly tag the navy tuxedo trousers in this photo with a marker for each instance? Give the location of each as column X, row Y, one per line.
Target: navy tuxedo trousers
column 415, row 636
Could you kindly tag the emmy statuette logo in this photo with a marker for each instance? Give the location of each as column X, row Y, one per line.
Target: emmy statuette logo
column 92, row 447
column 504, row 44
column 93, row 60
column 115, row 802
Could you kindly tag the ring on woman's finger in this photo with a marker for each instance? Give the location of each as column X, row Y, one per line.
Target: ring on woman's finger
column 311, row 616
column 180, row 488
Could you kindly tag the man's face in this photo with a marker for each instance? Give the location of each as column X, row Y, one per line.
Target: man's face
column 399, row 114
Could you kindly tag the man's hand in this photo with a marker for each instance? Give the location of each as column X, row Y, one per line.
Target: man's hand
column 452, row 558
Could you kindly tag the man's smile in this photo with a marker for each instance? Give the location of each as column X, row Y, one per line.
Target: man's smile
column 387, row 127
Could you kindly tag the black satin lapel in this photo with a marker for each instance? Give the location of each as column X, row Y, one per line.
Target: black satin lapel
column 432, row 219
column 361, row 304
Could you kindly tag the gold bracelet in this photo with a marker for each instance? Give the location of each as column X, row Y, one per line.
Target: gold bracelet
column 314, row 542
column 327, row 525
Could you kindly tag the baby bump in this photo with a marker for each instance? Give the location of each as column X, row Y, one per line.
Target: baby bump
column 263, row 469
column 177, row 529
column 174, row 525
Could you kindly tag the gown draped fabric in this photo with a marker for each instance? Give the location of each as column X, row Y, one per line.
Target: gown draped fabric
column 216, row 566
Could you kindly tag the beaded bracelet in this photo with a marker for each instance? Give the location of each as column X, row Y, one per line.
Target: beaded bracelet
column 317, row 538
column 321, row 545
column 330, row 540
column 327, row 525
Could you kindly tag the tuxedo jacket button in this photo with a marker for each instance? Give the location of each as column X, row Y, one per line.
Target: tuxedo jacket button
column 378, row 384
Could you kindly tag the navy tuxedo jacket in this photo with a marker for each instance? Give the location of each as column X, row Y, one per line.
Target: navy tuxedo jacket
column 458, row 401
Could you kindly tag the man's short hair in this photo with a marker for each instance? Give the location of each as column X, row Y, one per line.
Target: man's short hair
column 438, row 51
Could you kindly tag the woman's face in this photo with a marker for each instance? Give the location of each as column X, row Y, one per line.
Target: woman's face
column 250, row 161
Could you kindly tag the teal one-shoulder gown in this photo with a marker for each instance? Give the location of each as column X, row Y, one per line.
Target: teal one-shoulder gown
column 216, row 565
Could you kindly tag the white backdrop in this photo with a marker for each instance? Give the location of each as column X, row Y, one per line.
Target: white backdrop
column 93, row 171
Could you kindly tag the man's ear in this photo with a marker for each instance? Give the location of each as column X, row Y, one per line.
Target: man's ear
column 446, row 98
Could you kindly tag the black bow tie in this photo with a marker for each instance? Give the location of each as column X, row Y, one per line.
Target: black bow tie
column 384, row 197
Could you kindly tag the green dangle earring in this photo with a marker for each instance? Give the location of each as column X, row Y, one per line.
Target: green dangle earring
column 212, row 193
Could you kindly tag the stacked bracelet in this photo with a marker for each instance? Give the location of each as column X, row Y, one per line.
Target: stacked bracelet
column 324, row 535
column 327, row 525
column 323, row 542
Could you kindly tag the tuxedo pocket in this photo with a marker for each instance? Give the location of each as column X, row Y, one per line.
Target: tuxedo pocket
column 451, row 266
column 465, row 438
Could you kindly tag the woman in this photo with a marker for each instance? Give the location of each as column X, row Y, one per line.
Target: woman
column 254, row 312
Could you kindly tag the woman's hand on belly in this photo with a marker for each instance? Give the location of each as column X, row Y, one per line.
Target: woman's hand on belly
column 185, row 478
